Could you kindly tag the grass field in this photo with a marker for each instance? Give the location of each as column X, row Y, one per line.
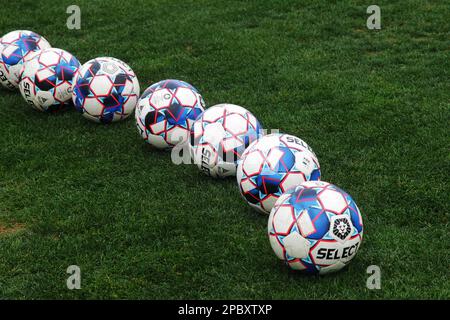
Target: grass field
column 374, row 105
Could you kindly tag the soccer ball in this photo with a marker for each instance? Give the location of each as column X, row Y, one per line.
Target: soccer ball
column 17, row 47
column 315, row 227
column 166, row 112
column 46, row 80
column 219, row 137
column 105, row 90
column 271, row 166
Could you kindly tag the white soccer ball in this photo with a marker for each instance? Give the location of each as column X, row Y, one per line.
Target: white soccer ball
column 271, row 166
column 219, row 137
column 16, row 48
column 315, row 227
column 105, row 90
column 46, row 80
column 166, row 111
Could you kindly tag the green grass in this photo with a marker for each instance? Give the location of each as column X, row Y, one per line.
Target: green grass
column 374, row 105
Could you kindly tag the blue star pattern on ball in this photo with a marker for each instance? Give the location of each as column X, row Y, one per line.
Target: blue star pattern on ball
column 315, row 227
column 16, row 48
column 46, row 80
column 219, row 137
column 166, row 112
column 105, row 90
column 271, row 166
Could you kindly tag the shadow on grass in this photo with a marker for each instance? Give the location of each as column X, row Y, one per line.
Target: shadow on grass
column 6, row 92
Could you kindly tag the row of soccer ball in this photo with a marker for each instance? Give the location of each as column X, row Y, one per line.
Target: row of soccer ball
column 313, row 226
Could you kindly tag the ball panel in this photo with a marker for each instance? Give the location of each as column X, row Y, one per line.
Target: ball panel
column 276, row 246
column 186, row 97
column 236, row 124
column 305, row 224
column 296, row 246
column 252, row 164
column 213, row 114
column 268, row 203
column 50, row 58
column 283, row 220
column 101, row 85
column 291, row 180
column 332, row 201
column 93, row 107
